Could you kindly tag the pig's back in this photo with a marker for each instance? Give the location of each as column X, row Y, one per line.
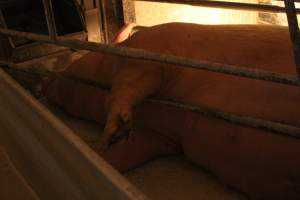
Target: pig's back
column 253, row 46
column 263, row 47
column 262, row 165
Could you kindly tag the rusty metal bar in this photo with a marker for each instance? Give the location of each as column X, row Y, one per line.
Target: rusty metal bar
column 50, row 19
column 227, row 5
column 294, row 31
column 169, row 59
column 266, row 125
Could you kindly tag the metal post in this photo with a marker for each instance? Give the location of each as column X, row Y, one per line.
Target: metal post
column 294, row 32
column 50, row 19
column 4, row 25
column 101, row 19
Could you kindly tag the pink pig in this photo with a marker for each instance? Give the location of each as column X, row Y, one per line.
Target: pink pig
column 261, row 164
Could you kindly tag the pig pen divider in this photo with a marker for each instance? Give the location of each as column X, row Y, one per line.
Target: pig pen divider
column 50, row 19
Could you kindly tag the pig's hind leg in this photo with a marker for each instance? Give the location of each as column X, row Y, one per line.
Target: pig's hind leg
column 142, row 146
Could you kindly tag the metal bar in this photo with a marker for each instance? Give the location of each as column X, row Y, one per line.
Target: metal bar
column 4, row 25
column 274, row 127
column 50, row 19
column 100, row 5
column 227, row 5
column 169, row 59
column 294, row 32
column 6, row 42
column 113, row 17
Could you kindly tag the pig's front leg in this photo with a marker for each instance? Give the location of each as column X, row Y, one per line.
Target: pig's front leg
column 131, row 84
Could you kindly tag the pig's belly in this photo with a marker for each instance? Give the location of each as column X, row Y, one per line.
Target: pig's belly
column 242, row 96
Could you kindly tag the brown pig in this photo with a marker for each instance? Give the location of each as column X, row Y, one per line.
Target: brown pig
column 261, row 164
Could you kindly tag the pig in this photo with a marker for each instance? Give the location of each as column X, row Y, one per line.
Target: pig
column 261, row 164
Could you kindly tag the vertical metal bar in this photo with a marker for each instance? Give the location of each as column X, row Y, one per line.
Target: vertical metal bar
column 101, row 18
column 111, row 17
column 129, row 11
column 4, row 25
column 294, row 31
column 6, row 43
column 50, row 19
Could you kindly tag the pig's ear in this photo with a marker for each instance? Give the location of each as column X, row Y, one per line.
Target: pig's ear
column 124, row 33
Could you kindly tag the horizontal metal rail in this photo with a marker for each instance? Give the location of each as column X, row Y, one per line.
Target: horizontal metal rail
column 227, row 5
column 266, row 125
column 169, row 59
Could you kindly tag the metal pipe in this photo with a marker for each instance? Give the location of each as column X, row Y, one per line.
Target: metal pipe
column 227, row 5
column 169, row 59
column 266, row 125
column 50, row 19
column 294, row 32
